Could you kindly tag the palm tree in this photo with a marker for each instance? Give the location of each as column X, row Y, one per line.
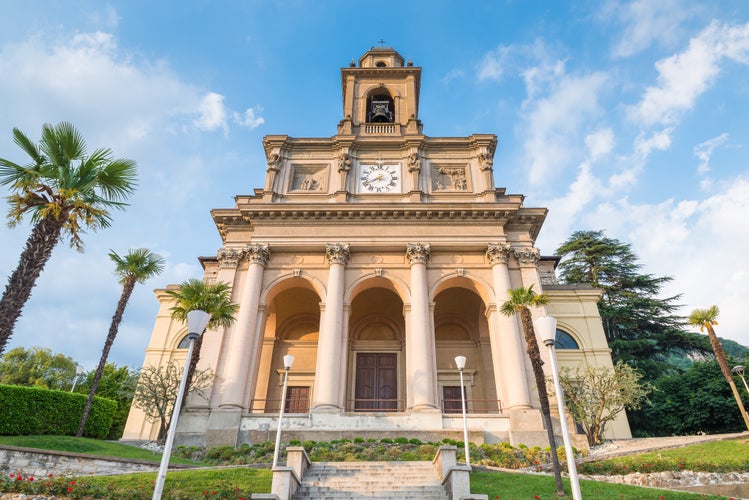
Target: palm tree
column 65, row 192
column 519, row 302
column 213, row 298
column 135, row 267
column 705, row 319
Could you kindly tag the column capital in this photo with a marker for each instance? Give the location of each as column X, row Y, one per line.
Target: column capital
column 498, row 253
column 418, row 253
column 528, row 256
column 258, row 254
column 228, row 258
column 337, row 253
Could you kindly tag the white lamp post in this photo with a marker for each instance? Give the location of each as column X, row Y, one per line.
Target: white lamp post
column 546, row 327
column 739, row 370
column 78, row 373
column 288, row 360
column 196, row 323
column 460, row 362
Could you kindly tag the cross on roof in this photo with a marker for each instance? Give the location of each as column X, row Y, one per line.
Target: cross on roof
column 381, row 42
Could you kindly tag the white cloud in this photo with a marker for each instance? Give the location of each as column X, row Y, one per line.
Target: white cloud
column 495, row 64
column 683, row 77
column 106, row 17
column 249, row 118
column 646, row 22
column 698, row 242
column 212, row 113
column 553, row 122
column 704, row 151
column 600, row 143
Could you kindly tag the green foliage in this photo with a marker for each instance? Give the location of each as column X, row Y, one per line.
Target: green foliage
column 37, row 367
column 118, row 384
column 697, row 400
column 34, row 411
column 595, row 396
column 642, row 329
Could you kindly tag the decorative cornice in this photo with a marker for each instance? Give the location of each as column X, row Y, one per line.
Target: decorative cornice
column 258, row 254
column 337, row 253
column 498, row 253
column 228, row 258
column 528, row 256
column 418, row 253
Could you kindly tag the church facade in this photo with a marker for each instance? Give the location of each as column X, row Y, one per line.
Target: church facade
column 374, row 257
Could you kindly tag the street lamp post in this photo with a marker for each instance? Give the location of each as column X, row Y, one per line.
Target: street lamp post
column 460, row 362
column 546, row 327
column 739, row 370
column 196, row 323
column 288, row 360
column 78, row 372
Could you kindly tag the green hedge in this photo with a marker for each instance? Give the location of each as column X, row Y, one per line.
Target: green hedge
column 36, row 411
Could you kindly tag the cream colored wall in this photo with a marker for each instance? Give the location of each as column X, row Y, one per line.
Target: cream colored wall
column 576, row 312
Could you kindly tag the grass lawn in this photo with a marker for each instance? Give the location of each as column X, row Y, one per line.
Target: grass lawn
column 505, row 485
column 89, row 447
column 718, row 456
column 238, row 483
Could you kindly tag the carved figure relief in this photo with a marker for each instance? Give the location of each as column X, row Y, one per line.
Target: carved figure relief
column 414, row 162
column 274, row 162
column 344, row 162
column 485, row 161
column 449, row 179
column 309, row 178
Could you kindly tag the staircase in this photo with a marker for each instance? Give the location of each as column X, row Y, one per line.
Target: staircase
column 373, row 480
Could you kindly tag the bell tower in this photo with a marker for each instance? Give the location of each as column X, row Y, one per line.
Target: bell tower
column 380, row 95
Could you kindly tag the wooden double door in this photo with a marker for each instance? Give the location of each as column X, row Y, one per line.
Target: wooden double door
column 376, row 382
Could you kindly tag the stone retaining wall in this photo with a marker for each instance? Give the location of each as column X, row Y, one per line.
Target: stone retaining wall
column 41, row 463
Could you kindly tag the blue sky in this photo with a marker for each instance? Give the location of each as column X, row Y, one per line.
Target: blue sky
column 624, row 116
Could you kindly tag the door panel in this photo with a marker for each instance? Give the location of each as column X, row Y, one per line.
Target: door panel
column 376, row 382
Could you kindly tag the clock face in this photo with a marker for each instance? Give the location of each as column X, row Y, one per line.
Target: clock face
column 380, row 179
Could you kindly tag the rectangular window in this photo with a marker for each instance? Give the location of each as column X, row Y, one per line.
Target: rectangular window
column 297, row 399
column 451, row 401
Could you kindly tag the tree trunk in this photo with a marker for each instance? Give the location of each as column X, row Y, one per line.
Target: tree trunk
column 127, row 290
column 535, row 356
column 723, row 363
column 198, row 343
column 36, row 253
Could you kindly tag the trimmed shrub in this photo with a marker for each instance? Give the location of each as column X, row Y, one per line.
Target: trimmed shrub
column 37, row 411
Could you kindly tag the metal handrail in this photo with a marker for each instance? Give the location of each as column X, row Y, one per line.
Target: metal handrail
column 375, row 405
column 453, row 406
column 274, row 405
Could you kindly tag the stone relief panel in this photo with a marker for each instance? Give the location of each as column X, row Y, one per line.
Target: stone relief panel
column 309, row 178
column 450, row 178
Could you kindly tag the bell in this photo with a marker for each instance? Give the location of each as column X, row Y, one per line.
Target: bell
column 380, row 112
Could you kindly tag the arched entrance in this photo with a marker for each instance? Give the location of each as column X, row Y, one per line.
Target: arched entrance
column 376, row 352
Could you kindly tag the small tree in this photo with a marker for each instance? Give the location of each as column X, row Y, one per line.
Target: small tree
column 213, row 298
column 157, row 392
column 519, row 302
column 135, row 267
column 705, row 319
column 595, row 396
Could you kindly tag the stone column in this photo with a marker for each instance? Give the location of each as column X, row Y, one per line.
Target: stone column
column 421, row 366
column 327, row 371
column 508, row 352
column 528, row 259
column 243, row 341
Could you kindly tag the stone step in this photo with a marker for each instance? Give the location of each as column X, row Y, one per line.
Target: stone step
column 372, row 480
